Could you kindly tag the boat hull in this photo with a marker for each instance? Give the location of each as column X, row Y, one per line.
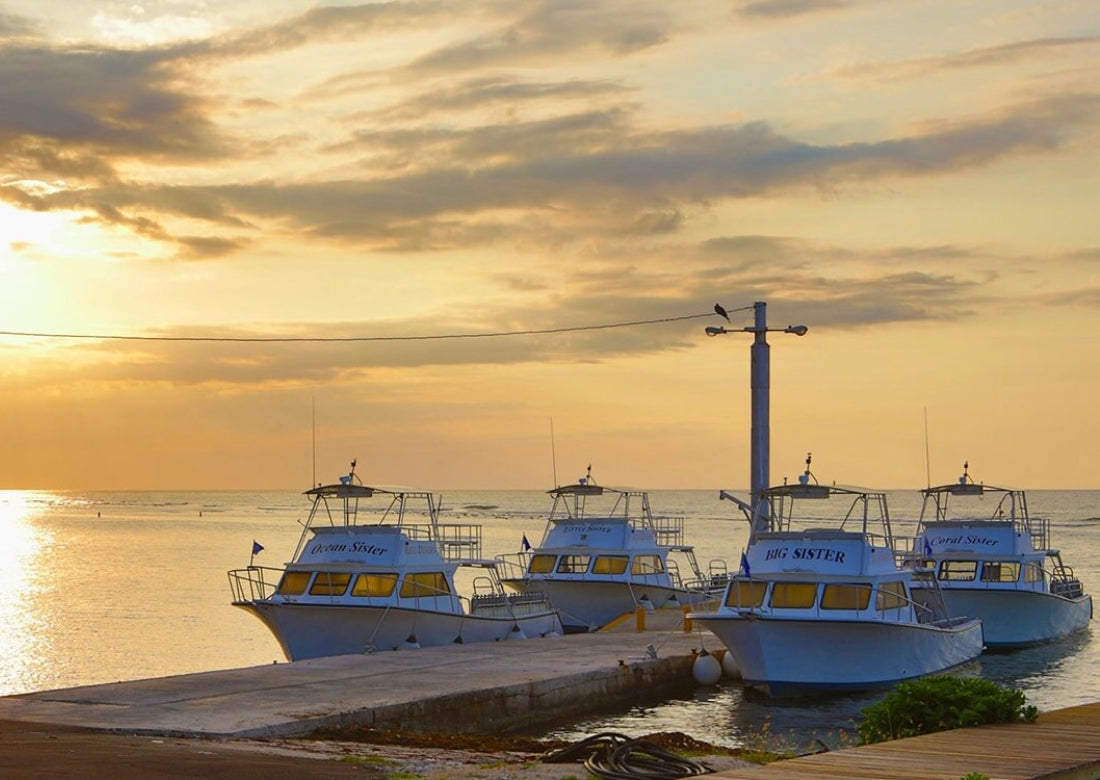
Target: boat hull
column 316, row 631
column 792, row 657
column 588, row 605
column 1018, row 618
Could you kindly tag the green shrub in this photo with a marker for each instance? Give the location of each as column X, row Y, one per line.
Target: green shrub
column 941, row 703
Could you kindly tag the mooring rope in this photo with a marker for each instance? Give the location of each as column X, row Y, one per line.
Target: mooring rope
column 615, row 756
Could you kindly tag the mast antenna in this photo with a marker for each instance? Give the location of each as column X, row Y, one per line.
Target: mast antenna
column 553, row 453
column 927, row 457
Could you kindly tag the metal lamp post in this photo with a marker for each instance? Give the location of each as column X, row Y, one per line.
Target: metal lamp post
column 761, row 433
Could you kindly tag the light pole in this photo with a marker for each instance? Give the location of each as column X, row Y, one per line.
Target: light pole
column 761, row 386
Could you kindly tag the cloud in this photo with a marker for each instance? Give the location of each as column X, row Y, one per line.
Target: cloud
column 13, row 26
column 553, row 28
column 784, row 9
column 488, row 91
column 609, row 309
column 987, row 56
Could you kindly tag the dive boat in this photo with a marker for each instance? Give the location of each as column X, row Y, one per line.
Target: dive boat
column 359, row 584
column 998, row 564
column 820, row 603
column 604, row 554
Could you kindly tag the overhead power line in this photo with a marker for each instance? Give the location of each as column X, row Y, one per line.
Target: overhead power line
column 292, row 339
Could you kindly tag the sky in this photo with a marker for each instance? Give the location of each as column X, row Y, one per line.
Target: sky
column 475, row 244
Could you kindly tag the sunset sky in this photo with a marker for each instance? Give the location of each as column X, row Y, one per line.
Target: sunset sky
column 917, row 181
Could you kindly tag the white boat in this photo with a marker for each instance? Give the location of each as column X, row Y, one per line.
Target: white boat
column 995, row 562
column 385, row 583
column 821, row 605
column 604, row 554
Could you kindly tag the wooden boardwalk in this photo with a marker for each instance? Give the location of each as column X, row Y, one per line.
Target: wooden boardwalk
column 1061, row 745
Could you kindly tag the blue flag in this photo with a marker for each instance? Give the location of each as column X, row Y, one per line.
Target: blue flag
column 526, row 544
column 256, row 547
column 745, row 565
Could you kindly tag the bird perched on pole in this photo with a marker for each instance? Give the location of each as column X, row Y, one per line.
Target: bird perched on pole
column 721, row 312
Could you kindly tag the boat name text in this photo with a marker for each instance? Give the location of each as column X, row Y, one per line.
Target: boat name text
column 962, row 539
column 806, row 554
column 355, row 547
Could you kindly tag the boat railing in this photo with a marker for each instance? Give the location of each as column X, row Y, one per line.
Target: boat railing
column 668, row 531
column 255, row 583
column 1063, row 582
column 458, row 541
column 513, row 566
column 1039, row 528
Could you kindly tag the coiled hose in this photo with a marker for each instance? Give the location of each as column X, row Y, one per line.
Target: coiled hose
column 618, row 757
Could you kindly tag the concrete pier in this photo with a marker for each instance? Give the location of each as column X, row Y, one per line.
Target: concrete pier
column 482, row 687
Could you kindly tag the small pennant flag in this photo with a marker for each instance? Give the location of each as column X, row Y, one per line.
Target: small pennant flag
column 257, row 548
column 745, row 565
column 526, row 544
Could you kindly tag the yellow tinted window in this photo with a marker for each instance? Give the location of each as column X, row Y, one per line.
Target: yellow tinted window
column 542, row 564
column 746, row 593
column 294, row 583
column 610, row 564
column 377, row 585
column 846, row 597
column 330, row 584
column 890, row 595
column 1033, row 573
column 793, row 595
column 573, row 564
column 646, row 564
column 419, row 584
column 1000, row 571
column 961, row 571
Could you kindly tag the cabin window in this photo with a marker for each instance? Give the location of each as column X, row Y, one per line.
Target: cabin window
column 330, row 584
column 1033, row 573
column 793, row 595
column 846, row 597
column 746, row 593
column 542, row 564
column 424, row 583
column 958, row 571
column 573, row 564
column 610, row 564
column 374, row 585
column 646, row 564
column 891, row 595
column 1000, row 571
column 294, row 583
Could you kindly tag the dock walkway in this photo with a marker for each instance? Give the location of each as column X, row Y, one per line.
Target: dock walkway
column 485, row 687
column 459, row 688
column 1062, row 745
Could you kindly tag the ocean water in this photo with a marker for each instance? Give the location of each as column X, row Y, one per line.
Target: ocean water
column 104, row 586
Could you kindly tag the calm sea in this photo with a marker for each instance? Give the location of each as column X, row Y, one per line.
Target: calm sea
column 104, row 586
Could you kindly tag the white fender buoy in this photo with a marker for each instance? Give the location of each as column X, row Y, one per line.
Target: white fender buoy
column 410, row 643
column 729, row 666
column 516, row 633
column 706, row 669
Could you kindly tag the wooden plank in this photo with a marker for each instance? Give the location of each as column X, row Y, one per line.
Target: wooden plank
column 1057, row 743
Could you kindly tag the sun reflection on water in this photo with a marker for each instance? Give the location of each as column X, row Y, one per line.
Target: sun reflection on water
column 22, row 585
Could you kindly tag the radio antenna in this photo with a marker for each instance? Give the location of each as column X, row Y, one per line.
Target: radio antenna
column 553, row 453
column 927, row 457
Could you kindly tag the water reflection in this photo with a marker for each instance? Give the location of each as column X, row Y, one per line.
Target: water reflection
column 724, row 715
column 22, row 584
